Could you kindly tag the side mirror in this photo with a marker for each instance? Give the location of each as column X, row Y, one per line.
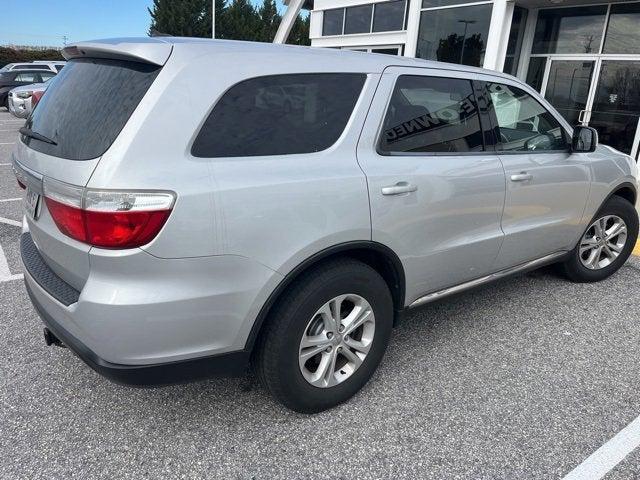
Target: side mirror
column 585, row 139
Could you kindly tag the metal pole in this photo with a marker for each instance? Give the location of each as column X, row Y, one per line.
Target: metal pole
column 213, row 18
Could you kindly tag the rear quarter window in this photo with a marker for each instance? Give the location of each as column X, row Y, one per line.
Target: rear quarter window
column 86, row 106
column 279, row 115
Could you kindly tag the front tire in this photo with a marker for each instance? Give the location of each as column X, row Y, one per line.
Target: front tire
column 326, row 336
column 605, row 245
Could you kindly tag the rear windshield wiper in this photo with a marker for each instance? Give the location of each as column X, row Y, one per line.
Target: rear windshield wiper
column 27, row 132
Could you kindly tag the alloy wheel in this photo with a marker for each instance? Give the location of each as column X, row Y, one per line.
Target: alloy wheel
column 336, row 340
column 603, row 242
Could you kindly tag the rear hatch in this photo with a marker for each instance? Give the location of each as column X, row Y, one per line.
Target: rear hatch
column 82, row 112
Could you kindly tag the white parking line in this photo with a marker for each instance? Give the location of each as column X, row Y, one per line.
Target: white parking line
column 7, row 143
column 4, row 164
column 603, row 460
column 5, row 273
column 10, row 199
column 8, row 221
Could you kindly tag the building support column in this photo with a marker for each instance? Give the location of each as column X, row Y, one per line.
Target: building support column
column 288, row 19
column 413, row 27
column 498, row 38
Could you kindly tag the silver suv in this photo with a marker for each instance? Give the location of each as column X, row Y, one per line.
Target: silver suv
column 177, row 225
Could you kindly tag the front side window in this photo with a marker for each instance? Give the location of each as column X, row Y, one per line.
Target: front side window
column 280, row 115
column 523, row 123
column 431, row 114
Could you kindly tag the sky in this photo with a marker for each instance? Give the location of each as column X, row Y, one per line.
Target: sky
column 47, row 22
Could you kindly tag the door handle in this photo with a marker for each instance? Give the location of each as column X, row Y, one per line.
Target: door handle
column 399, row 188
column 521, row 177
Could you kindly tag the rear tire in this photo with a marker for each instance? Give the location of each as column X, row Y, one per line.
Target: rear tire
column 300, row 319
column 584, row 263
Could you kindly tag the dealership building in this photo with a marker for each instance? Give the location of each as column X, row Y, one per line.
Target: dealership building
column 584, row 57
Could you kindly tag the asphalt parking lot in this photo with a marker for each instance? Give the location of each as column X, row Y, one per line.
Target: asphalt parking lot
column 522, row 379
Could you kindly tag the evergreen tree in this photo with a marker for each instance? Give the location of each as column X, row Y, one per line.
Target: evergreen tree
column 242, row 21
column 269, row 21
column 300, row 31
column 221, row 26
column 185, row 18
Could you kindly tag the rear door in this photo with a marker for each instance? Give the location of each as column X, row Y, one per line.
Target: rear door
column 547, row 185
column 436, row 194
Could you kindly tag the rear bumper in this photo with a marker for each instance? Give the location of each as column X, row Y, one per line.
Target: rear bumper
column 225, row 364
column 142, row 321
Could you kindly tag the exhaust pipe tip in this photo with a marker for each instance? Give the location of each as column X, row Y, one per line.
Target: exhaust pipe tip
column 51, row 339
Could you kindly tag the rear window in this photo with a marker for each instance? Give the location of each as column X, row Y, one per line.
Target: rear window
column 279, row 115
column 86, row 106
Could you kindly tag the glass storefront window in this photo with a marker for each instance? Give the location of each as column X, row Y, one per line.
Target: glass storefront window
column 332, row 22
column 388, row 16
column 442, row 3
column 623, row 35
column 535, row 74
column 515, row 40
column 358, row 19
column 456, row 35
column 570, row 30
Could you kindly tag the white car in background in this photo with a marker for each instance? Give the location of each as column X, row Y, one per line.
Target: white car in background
column 22, row 100
column 54, row 66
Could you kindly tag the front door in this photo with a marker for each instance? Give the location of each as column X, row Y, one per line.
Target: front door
column 567, row 86
column 436, row 194
column 547, row 185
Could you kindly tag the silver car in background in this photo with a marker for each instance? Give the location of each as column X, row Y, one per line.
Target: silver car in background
column 22, row 100
column 170, row 236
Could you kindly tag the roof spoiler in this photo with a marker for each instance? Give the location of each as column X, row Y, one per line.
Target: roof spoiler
column 147, row 50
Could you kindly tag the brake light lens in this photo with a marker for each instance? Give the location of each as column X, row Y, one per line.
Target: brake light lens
column 35, row 97
column 115, row 219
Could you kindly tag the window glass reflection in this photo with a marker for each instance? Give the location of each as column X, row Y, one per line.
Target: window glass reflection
column 570, row 30
column 456, row 35
column 623, row 35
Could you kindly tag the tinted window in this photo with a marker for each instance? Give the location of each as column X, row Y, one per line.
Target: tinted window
column 46, row 76
column 388, row 16
column 332, row 22
column 523, row 123
column 386, row 51
column 358, row 19
column 535, row 73
column 430, row 114
column 569, row 30
column 279, row 115
column 623, row 35
column 59, row 67
column 86, row 106
column 456, row 35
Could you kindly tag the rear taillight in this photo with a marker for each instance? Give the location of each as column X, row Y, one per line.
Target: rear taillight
column 35, row 97
column 107, row 218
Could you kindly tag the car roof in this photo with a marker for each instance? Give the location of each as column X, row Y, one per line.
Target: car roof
column 158, row 49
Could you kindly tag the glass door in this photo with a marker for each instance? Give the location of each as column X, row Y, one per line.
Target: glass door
column 616, row 106
column 567, row 86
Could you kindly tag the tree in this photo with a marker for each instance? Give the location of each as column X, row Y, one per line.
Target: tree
column 269, row 21
column 184, row 18
column 242, row 21
column 300, row 32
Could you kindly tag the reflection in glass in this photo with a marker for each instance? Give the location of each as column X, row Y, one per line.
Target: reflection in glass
column 441, row 3
column 332, row 21
column 456, row 35
column 616, row 107
column 568, row 87
column 569, row 30
column 535, row 74
column 515, row 40
column 623, row 35
column 388, row 16
column 358, row 19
